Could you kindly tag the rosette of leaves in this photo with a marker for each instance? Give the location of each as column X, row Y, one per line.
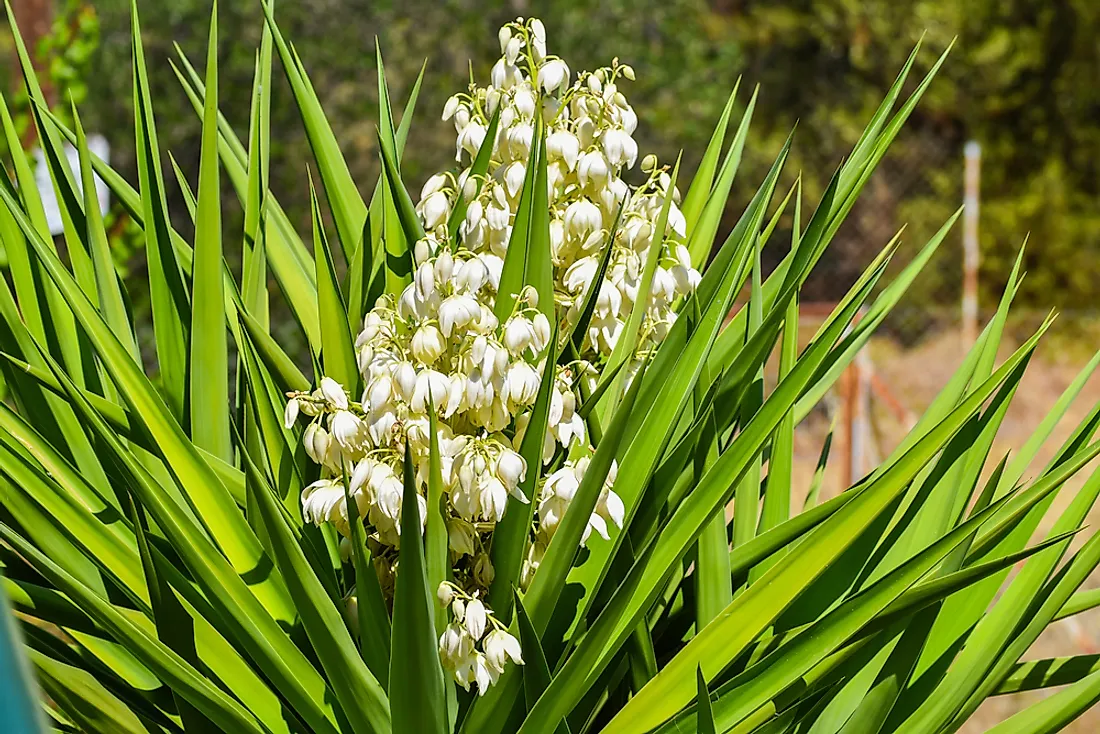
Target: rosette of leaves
column 153, row 544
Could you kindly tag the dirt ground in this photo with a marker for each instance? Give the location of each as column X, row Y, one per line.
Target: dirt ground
column 910, row 379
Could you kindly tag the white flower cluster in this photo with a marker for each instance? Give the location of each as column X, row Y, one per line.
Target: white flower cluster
column 438, row 351
column 589, row 146
column 474, row 624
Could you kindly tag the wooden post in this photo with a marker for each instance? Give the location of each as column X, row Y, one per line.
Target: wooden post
column 971, row 261
column 847, row 442
column 34, row 18
column 855, row 406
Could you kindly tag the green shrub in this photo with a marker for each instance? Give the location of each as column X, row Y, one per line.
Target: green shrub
column 498, row 502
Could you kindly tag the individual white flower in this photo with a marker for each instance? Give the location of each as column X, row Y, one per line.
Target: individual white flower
column 553, row 75
column 563, row 145
column 520, row 137
column 431, row 387
column 540, row 327
column 511, row 469
column 434, row 209
column 524, row 102
column 476, row 618
column 334, row 393
column 611, row 508
column 518, row 334
column 521, row 385
column 316, row 441
column 404, row 379
column 290, row 414
column 505, row 75
column 471, row 275
column 457, row 311
column 346, row 427
column 500, row 647
column 361, row 474
column 427, row 344
column 538, row 29
column 493, row 497
column 593, row 170
column 455, row 647
column 434, row 184
column 470, row 140
column 513, row 178
column 582, row 217
column 512, row 49
column 619, row 147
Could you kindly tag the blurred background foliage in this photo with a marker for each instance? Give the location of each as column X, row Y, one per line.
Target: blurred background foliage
column 1022, row 80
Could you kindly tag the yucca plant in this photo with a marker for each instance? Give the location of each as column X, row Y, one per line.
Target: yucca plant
column 497, row 501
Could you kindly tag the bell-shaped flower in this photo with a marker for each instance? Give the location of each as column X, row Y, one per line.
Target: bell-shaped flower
column 427, row 344
column 457, row 311
column 563, row 145
column 553, row 75
column 476, row 618
column 500, row 647
column 582, row 217
column 316, row 441
column 345, row 427
column 431, row 387
column 511, row 469
column 518, row 334
column 334, row 393
column 593, row 170
column 513, row 178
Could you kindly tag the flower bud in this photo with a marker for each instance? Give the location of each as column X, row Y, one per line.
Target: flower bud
column 540, row 325
column 444, row 266
column 433, row 185
column 334, row 393
column 504, row 35
column 450, row 107
column 469, row 188
column 290, row 415
column 538, row 29
column 512, row 49
column 316, row 442
column 445, row 593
